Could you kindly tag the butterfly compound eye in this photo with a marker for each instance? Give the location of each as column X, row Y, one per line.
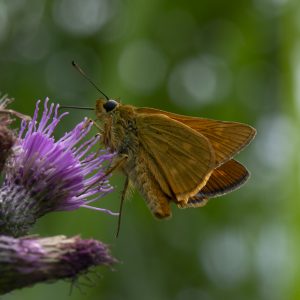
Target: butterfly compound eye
column 110, row 105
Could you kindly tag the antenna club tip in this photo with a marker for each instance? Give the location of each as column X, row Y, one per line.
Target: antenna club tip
column 73, row 63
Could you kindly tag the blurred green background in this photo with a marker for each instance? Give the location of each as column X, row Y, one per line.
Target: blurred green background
column 226, row 60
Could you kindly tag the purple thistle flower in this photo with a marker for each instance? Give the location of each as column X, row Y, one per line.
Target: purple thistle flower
column 45, row 175
column 26, row 261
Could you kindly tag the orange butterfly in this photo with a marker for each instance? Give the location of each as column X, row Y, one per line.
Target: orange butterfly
column 173, row 158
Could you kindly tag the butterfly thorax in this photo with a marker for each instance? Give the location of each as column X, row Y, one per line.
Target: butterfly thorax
column 120, row 131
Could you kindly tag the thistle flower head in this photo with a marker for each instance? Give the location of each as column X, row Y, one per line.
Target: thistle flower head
column 45, row 175
column 26, row 261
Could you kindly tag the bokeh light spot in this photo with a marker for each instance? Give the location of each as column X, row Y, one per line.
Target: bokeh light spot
column 142, row 67
column 274, row 260
column 271, row 8
column 224, row 257
column 197, row 81
column 195, row 74
column 82, row 17
column 275, row 142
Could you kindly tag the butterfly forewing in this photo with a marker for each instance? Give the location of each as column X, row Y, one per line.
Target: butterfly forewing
column 226, row 138
column 184, row 156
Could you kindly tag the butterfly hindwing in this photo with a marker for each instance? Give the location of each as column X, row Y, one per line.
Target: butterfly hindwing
column 224, row 179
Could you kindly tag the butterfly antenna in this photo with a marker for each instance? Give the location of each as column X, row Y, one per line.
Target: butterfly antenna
column 74, row 64
column 76, row 107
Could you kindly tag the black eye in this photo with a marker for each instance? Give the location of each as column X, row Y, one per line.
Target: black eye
column 110, row 105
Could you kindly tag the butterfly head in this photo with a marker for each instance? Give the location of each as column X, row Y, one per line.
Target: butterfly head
column 104, row 107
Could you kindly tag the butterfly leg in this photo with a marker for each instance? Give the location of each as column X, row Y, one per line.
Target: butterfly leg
column 89, row 121
column 117, row 163
column 97, row 126
column 121, row 204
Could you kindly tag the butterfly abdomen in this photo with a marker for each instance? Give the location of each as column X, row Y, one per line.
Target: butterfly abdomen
column 144, row 181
